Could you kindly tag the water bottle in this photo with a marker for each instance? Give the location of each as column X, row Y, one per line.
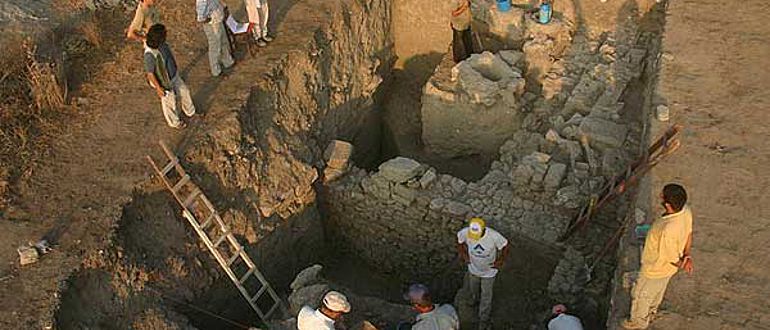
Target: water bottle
column 545, row 12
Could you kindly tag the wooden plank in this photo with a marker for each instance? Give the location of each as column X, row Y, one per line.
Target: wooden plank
column 246, row 276
column 179, row 184
column 174, row 162
column 234, row 257
column 273, row 309
column 208, row 220
column 222, row 238
column 259, row 293
column 191, row 198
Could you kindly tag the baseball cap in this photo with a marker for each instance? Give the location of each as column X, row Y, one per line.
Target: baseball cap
column 476, row 228
column 418, row 294
column 336, row 301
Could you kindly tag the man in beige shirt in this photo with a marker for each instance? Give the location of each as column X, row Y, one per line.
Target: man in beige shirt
column 666, row 250
column 146, row 15
column 462, row 41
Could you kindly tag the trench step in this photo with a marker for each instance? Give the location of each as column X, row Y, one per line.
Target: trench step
column 189, row 208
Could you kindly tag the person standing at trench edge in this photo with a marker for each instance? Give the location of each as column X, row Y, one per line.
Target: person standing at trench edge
column 460, row 21
column 666, row 250
column 483, row 249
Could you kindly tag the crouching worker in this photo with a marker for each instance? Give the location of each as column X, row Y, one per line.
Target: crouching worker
column 333, row 306
column 560, row 320
column 431, row 316
column 161, row 70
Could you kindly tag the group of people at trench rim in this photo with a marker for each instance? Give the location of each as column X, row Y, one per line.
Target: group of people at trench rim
column 159, row 63
column 666, row 251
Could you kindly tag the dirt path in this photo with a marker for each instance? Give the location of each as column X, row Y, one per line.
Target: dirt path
column 75, row 196
column 715, row 73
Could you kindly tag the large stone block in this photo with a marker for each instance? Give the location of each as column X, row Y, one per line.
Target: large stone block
column 400, row 169
column 337, row 154
column 603, row 134
column 474, row 109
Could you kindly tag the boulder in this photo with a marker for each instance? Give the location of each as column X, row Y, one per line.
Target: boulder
column 337, row 154
column 308, row 276
column 400, row 169
column 603, row 134
column 555, row 175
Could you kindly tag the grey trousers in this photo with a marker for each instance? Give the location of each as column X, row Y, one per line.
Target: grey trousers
column 219, row 48
column 481, row 291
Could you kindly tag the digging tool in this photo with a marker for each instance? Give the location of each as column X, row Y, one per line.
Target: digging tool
column 478, row 40
column 619, row 184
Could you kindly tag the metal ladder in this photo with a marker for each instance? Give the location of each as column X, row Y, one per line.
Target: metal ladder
column 195, row 205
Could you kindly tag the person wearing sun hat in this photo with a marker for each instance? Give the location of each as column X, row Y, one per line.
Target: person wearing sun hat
column 483, row 249
column 333, row 306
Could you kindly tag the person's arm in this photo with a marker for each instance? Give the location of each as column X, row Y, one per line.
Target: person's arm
column 685, row 262
column 154, row 82
column 134, row 27
column 462, row 250
column 503, row 253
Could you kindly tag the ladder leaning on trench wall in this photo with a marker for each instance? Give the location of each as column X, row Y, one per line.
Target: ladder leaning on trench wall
column 195, row 205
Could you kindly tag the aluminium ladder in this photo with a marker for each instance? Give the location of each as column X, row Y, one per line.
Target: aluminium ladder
column 195, row 205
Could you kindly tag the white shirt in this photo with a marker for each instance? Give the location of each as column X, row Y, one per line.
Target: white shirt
column 482, row 252
column 442, row 317
column 313, row 319
column 565, row 322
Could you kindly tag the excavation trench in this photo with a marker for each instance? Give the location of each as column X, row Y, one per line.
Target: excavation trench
column 384, row 222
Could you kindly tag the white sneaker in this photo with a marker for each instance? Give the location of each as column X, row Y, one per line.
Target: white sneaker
column 267, row 38
column 261, row 42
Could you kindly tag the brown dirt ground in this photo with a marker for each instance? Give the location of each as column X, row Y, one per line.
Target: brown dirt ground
column 715, row 74
column 75, row 193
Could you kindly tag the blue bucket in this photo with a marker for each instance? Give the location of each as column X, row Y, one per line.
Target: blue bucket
column 503, row 5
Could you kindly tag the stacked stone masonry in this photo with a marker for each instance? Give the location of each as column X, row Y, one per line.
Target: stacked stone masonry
column 569, row 139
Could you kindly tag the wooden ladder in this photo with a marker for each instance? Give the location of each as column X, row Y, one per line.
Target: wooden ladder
column 225, row 247
column 664, row 146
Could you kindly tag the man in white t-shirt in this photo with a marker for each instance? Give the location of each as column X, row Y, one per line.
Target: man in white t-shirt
column 484, row 250
column 333, row 306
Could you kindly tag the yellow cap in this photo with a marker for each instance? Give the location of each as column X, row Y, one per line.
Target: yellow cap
column 476, row 228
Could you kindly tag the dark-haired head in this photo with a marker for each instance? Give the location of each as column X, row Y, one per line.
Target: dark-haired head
column 675, row 196
column 156, row 36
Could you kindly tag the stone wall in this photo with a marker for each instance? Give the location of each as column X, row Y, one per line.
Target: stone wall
column 404, row 217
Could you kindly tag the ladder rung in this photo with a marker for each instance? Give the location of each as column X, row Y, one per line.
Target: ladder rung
column 259, row 292
column 209, row 220
column 188, row 201
column 222, row 239
column 272, row 309
column 246, row 276
column 181, row 183
column 170, row 165
column 234, row 257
